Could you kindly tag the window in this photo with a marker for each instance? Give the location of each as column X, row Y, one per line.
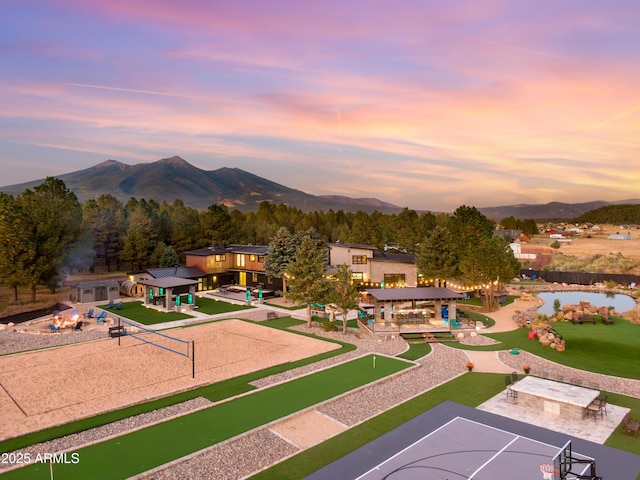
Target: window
column 252, row 258
column 254, row 277
column 359, row 259
column 239, row 260
column 261, row 258
column 394, row 280
column 221, row 258
column 357, row 278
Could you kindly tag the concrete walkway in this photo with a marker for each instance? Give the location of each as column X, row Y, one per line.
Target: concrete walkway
column 489, row 361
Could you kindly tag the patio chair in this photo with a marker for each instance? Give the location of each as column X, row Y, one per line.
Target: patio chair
column 101, row 316
column 119, row 305
column 598, row 407
column 514, row 377
column 110, row 304
column 77, row 327
column 510, row 392
column 88, row 314
column 53, row 328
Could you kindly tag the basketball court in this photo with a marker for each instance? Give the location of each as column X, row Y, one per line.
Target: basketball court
column 49, row 387
column 454, row 442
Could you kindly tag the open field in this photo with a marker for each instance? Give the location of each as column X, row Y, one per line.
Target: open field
column 86, row 379
column 592, row 243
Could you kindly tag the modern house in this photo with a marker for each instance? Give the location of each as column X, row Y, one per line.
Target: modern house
column 232, row 265
column 372, row 267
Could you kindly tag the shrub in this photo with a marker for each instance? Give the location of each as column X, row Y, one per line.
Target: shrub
column 329, row 327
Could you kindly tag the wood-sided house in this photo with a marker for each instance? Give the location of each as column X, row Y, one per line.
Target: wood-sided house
column 233, row 265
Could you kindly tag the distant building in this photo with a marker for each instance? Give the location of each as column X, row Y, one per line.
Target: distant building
column 619, row 236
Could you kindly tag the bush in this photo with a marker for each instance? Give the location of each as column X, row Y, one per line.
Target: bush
column 329, row 327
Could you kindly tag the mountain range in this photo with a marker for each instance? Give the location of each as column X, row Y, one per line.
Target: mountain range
column 173, row 178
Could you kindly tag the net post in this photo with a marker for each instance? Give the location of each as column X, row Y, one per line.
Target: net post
column 193, row 359
column 119, row 330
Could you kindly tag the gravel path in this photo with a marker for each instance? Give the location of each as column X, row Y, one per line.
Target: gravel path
column 16, row 341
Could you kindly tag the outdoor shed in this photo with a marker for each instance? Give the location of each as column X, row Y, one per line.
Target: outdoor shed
column 97, row 291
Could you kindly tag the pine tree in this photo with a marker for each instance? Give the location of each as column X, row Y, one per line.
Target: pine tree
column 307, row 283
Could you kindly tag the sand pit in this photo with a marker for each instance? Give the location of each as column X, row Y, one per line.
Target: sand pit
column 50, row 387
column 308, row 428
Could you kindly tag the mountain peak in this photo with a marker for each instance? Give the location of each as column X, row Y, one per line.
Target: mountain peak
column 174, row 161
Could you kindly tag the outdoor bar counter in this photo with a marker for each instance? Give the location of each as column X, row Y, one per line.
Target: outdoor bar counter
column 561, row 399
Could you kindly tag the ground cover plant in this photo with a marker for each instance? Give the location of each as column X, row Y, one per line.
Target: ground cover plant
column 137, row 312
column 607, row 349
column 214, row 392
column 147, row 448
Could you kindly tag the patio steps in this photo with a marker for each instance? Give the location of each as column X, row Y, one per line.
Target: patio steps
column 436, row 337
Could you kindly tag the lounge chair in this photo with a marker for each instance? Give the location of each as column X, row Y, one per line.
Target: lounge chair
column 119, row 305
column 53, row 328
column 101, row 317
column 110, row 304
column 77, row 327
column 89, row 314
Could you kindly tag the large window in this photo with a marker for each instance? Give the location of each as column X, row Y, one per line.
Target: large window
column 359, row 259
column 357, row 278
column 394, row 280
column 252, row 258
column 239, row 260
column 221, row 258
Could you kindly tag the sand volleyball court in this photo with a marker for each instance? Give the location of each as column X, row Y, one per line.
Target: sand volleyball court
column 50, row 387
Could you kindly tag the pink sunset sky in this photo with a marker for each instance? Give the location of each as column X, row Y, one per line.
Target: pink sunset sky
column 425, row 104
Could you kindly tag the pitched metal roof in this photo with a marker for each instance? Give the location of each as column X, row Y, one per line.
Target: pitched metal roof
column 168, row 282
column 99, row 283
column 393, row 257
column 205, row 252
column 417, row 293
column 181, row 272
column 250, row 249
column 354, row 245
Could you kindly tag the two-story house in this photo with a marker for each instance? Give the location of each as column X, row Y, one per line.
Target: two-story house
column 372, row 267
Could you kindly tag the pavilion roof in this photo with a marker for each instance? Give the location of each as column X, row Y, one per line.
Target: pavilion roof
column 417, row 293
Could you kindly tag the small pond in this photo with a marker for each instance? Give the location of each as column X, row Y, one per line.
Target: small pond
column 621, row 303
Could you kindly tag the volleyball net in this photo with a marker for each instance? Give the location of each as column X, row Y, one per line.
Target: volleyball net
column 184, row 348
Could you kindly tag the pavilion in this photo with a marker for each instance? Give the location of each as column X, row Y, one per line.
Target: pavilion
column 415, row 310
column 166, row 293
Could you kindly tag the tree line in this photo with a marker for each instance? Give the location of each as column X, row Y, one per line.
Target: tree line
column 46, row 233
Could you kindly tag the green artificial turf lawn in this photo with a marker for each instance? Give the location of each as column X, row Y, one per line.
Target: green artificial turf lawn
column 608, row 349
column 470, row 389
column 137, row 312
column 211, row 306
column 416, row 351
column 150, row 447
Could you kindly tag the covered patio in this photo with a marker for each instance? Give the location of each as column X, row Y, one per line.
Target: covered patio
column 166, row 293
column 414, row 310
